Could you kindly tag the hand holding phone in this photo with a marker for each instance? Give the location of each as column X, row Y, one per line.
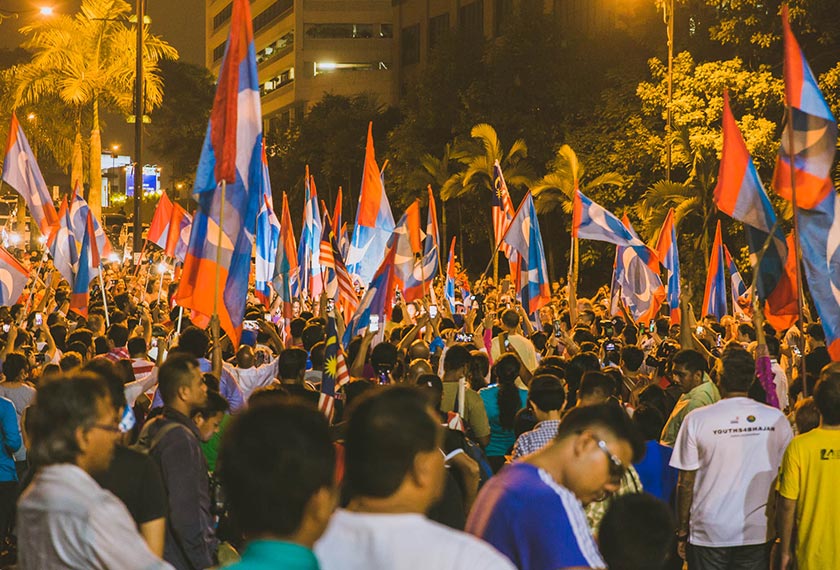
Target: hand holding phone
column 374, row 323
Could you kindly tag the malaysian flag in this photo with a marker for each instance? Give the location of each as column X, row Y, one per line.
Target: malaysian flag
column 502, row 209
column 337, row 281
column 335, row 370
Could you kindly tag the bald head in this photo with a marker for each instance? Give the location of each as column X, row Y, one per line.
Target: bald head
column 417, row 368
column 419, row 349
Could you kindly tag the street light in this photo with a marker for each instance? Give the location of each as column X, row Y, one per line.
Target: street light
column 46, row 10
column 668, row 7
column 139, row 107
column 15, row 14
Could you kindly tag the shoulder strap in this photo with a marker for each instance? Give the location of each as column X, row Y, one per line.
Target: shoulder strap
column 162, row 433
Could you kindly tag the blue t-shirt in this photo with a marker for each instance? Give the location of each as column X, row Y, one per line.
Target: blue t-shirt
column 657, row 476
column 11, row 440
column 532, row 520
column 501, row 440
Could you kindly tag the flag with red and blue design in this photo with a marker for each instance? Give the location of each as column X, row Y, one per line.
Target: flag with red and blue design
column 524, row 237
column 88, row 269
column 62, row 245
column 79, row 211
column 592, row 221
column 13, row 278
column 814, row 130
column 451, row 277
column 336, row 373
column 377, row 300
column 285, row 263
column 374, row 220
column 740, row 194
column 638, row 279
column 227, row 188
column 407, row 244
column 501, row 208
column 741, row 300
column 268, row 236
column 714, row 297
column 310, row 282
column 666, row 249
column 21, row 172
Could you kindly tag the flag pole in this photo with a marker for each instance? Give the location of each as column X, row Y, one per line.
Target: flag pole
column 800, row 295
column 160, row 285
column 217, row 348
column 104, row 301
column 35, row 282
column 180, row 317
column 573, row 275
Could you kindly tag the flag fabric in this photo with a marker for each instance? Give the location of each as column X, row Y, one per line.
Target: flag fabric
column 267, row 237
column 638, row 279
column 502, row 210
column 21, row 172
column 88, row 269
column 666, row 249
column 615, row 289
column 814, row 131
column 451, row 277
column 13, row 278
column 524, row 237
column 431, row 243
column 377, row 300
column 406, row 243
column 62, row 245
column 336, row 373
column 179, row 235
column 592, row 221
column 285, row 265
column 741, row 299
column 326, row 259
column 79, row 211
column 159, row 228
column 374, row 220
column 819, row 236
column 782, row 308
column 337, row 281
column 740, row 194
column 229, row 169
column 714, row 298
column 309, row 271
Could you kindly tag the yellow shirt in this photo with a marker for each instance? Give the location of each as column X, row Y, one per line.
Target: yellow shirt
column 809, row 475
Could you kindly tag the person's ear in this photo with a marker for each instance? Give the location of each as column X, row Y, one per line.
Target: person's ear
column 581, row 445
column 424, row 472
column 82, row 439
column 322, row 504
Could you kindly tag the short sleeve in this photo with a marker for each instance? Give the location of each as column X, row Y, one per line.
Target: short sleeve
column 790, row 473
column 115, row 542
column 686, row 456
column 477, row 414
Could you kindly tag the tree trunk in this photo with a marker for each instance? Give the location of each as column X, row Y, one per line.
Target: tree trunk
column 76, row 161
column 95, row 193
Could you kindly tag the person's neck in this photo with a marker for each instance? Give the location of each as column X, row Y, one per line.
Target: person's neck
column 451, row 376
column 291, row 380
column 824, row 425
column 726, row 395
column 180, row 407
column 549, row 415
column 546, row 459
column 398, row 503
column 295, row 538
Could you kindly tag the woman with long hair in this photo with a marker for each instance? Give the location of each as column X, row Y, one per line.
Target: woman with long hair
column 502, row 399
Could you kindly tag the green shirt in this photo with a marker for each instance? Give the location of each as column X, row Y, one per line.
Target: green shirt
column 211, row 446
column 274, row 554
column 702, row 395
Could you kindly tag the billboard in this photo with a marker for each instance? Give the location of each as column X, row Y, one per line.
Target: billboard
column 151, row 179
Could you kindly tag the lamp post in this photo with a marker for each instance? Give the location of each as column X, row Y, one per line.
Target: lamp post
column 139, row 108
column 668, row 7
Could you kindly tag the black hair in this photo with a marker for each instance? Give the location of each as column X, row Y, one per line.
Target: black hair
column 384, row 356
column 653, row 395
column 478, row 370
column 312, row 334
column 747, row 330
column 273, row 458
column 100, row 346
column 827, row 394
column 387, row 429
column 506, row 371
column 175, row 373
column 607, row 416
column 396, row 314
column 291, row 364
column 108, row 371
column 433, row 385
column 70, row 360
column 547, row 393
column 691, row 360
column 510, row 318
column 14, row 365
column 216, row 404
column 136, row 345
column 636, row 533
column 118, row 334
column 195, row 341
column 580, row 363
column 596, row 383
column 296, row 327
column 62, row 407
column 457, row 356
column 316, row 355
column 650, row 421
column 663, row 326
column 632, row 357
column 815, row 331
column 773, row 346
column 737, row 371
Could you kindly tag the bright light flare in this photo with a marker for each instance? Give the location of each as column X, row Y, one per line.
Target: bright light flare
column 14, row 238
column 46, row 10
column 161, row 268
column 42, row 240
column 114, row 258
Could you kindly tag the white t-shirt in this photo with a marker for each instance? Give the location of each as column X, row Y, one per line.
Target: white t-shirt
column 736, row 446
column 361, row 541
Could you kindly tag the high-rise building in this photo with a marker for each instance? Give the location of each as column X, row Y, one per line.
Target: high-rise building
column 307, row 48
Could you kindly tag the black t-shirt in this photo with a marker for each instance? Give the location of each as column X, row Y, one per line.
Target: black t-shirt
column 135, row 480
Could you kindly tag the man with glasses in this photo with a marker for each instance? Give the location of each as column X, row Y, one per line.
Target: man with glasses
column 532, row 511
column 66, row 520
column 728, row 455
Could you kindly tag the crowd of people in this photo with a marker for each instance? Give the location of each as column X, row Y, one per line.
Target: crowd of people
column 469, row 436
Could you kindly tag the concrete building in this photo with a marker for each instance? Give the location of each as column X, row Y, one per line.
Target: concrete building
column 307, row 48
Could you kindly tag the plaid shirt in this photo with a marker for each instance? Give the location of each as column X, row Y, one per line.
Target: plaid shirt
column 536, row 439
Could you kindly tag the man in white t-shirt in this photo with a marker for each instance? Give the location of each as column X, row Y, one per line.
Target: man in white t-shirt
column 394, row 469
column 728, row 454
column 511, row 341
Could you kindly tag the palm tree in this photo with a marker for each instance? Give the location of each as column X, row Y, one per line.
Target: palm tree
column 692, row 200
column 88, row 61
column 557, row 190
column 442, row 175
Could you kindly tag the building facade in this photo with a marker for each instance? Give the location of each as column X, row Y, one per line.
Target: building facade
column 308, row 48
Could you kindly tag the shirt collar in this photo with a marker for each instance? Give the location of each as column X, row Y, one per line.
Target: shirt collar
column 288, row 554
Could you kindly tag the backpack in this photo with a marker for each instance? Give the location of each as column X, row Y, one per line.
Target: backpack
column 146, row 445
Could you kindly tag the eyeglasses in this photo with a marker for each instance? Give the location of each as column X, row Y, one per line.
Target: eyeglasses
column 108, row 427
column 616, row 466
